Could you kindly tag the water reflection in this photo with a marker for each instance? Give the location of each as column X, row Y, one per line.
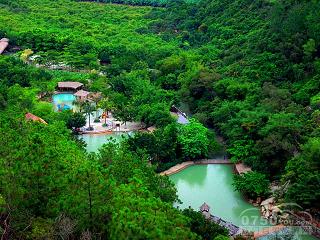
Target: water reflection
column 193, row 177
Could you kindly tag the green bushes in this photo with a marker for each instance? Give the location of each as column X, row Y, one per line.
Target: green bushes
column 175, row 143
column 302, row 171
column 14, row 71
column 252, row 184
column 204, row 227
column 194, row 141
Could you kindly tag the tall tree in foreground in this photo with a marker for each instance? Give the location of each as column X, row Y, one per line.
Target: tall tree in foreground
column 35, row 160
column 205, row 228
column 139, row 215
column 75, row 121
column 88, row 109
column 304, row 170
column 107, row 106
column 252, row 184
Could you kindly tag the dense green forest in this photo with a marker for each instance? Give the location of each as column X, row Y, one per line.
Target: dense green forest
column 51, row 188
column 154, row 3
column 249, row 70
column 257, row 83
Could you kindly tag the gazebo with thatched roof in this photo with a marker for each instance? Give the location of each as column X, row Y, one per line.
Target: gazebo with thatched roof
column 205, row 210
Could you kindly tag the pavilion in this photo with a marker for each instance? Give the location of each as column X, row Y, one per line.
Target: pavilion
column 81, row 94
column 205, row 210
column 69, row 86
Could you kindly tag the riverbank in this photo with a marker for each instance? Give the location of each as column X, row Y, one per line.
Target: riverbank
column 107, row 131
column 213, row 184
column 179, row 167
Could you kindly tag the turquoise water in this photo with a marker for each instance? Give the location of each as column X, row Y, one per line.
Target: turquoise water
column 95, row 141
column 213, row 184
column 63, row 101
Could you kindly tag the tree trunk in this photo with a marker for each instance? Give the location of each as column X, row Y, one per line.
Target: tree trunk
column 96, row 109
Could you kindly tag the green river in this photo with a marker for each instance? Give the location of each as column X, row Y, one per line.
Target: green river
column 213, row 184
column 205, row 183
column 95, row 141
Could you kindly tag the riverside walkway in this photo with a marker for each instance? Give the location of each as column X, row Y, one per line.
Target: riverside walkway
column 232, row 229
column 268, row 231
column 181, row 166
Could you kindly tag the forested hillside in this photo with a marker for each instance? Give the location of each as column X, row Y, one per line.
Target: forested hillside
column 154, row 3
column 257, row 82
column 249, row 70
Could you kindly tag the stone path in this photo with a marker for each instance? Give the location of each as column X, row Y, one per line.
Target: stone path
column 268, row 231
column 232, row 229
column 181, row 166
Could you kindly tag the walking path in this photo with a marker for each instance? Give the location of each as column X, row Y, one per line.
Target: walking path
column 181, row 166
column 113, row 126
column 268, row 231
column 232, row 229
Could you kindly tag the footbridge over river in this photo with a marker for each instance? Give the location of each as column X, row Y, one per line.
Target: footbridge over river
column 232, row 229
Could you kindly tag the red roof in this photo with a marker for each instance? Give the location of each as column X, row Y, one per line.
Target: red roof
column 73, row 85
column 4, row 42
column 82, row 93
column 30, row 116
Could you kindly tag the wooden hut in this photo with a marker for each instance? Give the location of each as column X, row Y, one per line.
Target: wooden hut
column 4, row 43
column 82, row 94
column 69, row 86
column 30, row 116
